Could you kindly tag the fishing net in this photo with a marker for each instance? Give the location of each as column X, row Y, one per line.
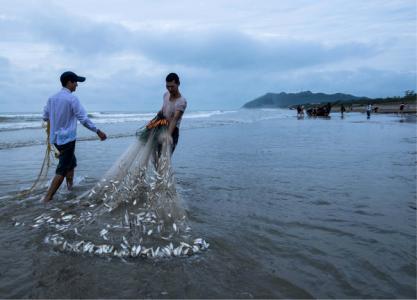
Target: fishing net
column 133, row 211
column 51, row 154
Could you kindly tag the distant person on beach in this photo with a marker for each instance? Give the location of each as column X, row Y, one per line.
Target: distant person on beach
column 62, row 112
column 402, row 105
column 173, row 107
column 300, row 111
column 342, row 109
column 368, row 110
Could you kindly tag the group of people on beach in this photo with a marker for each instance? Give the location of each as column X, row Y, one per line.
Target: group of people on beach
column 63, row 110
column 325, row 110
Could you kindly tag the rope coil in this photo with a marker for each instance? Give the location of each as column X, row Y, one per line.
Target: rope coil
column 50, row 153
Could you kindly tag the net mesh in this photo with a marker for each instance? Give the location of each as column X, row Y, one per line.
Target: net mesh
column 133, row 211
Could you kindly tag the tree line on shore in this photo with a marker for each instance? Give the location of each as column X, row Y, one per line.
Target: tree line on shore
column 409, row 97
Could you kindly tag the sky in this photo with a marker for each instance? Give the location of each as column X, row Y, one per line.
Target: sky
column 226, row 52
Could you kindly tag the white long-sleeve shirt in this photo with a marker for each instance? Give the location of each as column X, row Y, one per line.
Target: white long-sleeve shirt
column 63, row 110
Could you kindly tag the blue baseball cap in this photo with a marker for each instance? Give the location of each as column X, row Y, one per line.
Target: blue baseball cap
column 70, row 76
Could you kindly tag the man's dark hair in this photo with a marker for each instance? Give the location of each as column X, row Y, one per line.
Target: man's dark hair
column 64, row 80
column 171, row 77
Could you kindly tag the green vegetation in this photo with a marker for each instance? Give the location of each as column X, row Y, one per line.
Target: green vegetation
column 409, row 97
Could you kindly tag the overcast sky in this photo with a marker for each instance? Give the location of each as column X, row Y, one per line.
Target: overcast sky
column 226, row 52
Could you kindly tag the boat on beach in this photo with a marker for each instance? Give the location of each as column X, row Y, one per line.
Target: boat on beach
column 321, row 111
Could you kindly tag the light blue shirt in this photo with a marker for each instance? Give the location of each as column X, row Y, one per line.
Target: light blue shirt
column 63, row 110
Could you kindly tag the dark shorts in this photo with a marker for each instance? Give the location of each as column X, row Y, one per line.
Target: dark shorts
column 67, row 159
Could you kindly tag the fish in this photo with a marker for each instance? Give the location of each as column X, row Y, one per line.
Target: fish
column 144, row 252
column 185, row 245
column 186, row 251
column 177, row 251
column 126, row 218
column 103, row 233
column 137, row 251
column 206, row 245
column 167, row 251
column 198, row 241
column 125, row 241
column 66, row 218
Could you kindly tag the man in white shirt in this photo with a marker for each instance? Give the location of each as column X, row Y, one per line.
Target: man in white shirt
column 368, row 110
column 173, row 107
column 62, row 112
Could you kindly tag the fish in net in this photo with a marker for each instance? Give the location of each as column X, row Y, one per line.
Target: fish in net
column 133, row 211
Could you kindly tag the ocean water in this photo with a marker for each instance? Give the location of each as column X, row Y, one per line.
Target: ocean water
column 292, row 208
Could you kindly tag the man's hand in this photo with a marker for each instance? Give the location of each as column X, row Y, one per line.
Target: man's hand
column 101, row 135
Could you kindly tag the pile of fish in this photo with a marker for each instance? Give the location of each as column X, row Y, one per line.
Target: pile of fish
column 133, row 211
column 146, row 222
column 126, row 250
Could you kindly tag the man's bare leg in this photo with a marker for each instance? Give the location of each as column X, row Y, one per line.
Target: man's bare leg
column 56, row 183
column 70, row 179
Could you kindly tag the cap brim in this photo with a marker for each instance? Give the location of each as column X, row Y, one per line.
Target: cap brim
column 80, row 79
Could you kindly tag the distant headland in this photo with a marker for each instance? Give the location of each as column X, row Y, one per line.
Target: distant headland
column 309, row 99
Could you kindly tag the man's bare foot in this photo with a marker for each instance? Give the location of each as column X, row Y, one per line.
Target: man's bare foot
column 46, row 199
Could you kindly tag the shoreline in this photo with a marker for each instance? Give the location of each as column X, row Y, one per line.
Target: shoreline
column 381, row 108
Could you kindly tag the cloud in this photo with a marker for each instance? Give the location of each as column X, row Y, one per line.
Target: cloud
column 5, row 72
column 237, row 50
column 217, row 50
column 224, row 60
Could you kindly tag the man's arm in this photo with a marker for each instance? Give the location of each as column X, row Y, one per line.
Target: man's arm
column 82, row 116
column 174, row 121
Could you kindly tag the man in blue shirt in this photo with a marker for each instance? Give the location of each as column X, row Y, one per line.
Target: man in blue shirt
column 62, row 112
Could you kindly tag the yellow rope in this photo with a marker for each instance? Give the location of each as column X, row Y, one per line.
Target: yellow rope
column 46, row 161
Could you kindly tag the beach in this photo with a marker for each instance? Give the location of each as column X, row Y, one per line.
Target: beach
column 292, row 208
column 382, row 108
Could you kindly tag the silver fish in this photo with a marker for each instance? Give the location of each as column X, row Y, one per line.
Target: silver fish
column 138, row 248
column 198, row 241
column 185, row 244
column 126, row 218
column 125, row 241
column 67, row 218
